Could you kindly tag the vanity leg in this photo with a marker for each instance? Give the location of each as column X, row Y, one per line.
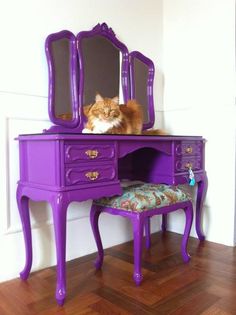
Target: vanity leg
column 189, row 219
column 201, row 192
column 147, row 232
column 138, row 236
column 59, row 208
column 23, row 207
column 94, row 216
column 164, row 223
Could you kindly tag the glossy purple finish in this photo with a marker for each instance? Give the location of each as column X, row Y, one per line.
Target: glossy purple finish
column 73, row 80
column 59, row 169
column 151, row 73
column 201, row 192
column 62, row 165
column 107, row 32
column 59, row 202
column 77, row 77
column 139, row 219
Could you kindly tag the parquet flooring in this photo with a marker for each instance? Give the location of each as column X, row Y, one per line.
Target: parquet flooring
column 206, row 285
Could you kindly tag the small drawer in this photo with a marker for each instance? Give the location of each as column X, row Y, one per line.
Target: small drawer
column 89, row 174
column 74, row 152
column 183, row 164
column 188, row 148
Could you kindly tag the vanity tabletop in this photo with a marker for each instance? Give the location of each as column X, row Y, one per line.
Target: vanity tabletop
column 103, row 137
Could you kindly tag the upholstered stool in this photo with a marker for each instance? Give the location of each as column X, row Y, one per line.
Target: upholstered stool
column 139, row 202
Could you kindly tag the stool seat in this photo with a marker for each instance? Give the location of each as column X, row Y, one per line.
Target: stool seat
column 144, row 196
column 139, row 202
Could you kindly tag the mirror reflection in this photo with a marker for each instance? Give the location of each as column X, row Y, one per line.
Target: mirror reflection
column 94, row 62
column 102, row 64
column 140, row 72
column 60, row 50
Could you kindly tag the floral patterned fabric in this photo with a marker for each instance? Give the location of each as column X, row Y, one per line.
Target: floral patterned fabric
column 143, row 196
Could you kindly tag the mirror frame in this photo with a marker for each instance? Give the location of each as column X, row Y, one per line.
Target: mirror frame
column 151, row 72
column 107, row 32
column 73, row 80
column 77, row 77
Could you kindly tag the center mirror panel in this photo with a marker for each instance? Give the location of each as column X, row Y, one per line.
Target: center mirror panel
column 103, row 62
column 101, row 68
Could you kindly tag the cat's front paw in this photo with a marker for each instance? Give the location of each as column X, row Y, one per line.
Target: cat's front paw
column 86, row 130
column 97, row 130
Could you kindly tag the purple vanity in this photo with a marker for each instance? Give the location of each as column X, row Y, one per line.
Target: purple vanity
column 62, row 165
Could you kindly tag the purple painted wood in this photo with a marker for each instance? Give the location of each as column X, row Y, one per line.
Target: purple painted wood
column 59, row 204
column 88, row 152
column 62, row 165
column 23, row 206
column 139, row 219
column 47, row 177
column 151, row 72
column 201, row 192
column 147, row 233
column 94, row 216
column 107, row 32
column 77, row 77
column 59, row 201
column 73, row 80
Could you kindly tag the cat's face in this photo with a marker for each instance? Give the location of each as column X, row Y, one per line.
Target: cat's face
column 105, row 109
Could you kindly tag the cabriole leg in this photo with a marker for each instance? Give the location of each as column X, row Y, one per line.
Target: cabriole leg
column 147, row 232
column 59, row 208
column 164, row 223
column 23, row 207
column 94, row 216
column 189, row 219
column 138, row 236
column 201, row 192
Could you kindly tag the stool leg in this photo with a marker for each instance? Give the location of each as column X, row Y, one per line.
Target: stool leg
column 94, row 216
column 164, row 223
column 138, row 223
column 147, row 232
column 189, row 219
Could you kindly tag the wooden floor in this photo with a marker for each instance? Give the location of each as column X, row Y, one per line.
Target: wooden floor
column 206, row 285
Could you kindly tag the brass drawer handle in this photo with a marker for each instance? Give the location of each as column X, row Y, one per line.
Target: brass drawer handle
column 189, row 150
column 188, row 165
column 92, row 154
column 92, row 175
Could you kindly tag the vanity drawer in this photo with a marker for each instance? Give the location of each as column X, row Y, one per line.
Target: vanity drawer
column 188, row 148
column 89, row 174
column 82, row 152
column 183, row 164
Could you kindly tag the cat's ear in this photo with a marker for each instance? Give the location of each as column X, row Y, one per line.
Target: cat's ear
column 115, row 100
column 99, row 98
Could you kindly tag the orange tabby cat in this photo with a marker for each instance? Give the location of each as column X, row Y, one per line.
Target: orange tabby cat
column 107, row 116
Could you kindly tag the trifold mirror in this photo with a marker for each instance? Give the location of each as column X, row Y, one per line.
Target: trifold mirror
column 94, row 62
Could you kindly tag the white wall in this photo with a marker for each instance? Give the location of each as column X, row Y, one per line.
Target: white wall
column 23, row 109
column 199, row 98
column 190, row 41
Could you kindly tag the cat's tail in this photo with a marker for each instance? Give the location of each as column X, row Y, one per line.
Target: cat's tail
column 135, row 109
column 135, row 116
column 154, row 132
column 134, row 106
